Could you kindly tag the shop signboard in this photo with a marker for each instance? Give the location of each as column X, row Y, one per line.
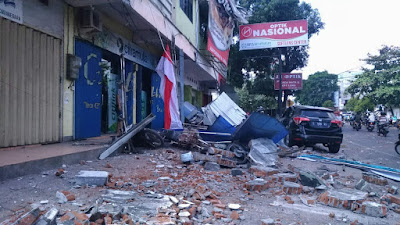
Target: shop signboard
column 273, row 35
column 290, row 81
column 11, row 9
column 112, row 102
column 120, row 46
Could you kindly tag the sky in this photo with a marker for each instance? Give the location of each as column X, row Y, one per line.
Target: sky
column 353, row 28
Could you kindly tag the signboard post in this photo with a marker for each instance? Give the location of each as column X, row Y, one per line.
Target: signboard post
column 274, row 35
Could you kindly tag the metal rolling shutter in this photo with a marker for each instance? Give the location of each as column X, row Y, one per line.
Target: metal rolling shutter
column 30, row 70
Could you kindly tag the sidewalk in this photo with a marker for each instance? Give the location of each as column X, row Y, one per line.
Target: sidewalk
column 23, row 160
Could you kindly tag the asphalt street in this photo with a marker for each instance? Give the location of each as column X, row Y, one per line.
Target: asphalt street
column 368, row 147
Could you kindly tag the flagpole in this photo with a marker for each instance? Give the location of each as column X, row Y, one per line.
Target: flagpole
column 181, row 82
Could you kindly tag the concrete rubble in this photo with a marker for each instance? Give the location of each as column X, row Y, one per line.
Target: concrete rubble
column 200, row 192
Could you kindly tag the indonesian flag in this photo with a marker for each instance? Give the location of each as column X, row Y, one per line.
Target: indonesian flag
column 165, row 70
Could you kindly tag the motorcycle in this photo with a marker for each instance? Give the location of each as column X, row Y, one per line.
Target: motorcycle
column 356, row 125
column 370, row 126
column 383, row 129
column 397, row 145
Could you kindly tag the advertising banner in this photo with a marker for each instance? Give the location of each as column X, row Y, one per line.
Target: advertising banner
column 112, row 102
column 220, row 28
column 11, row 9
column 272, row 35
column 290, row 81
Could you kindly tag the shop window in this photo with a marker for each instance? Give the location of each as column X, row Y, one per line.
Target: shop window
column 187, row 7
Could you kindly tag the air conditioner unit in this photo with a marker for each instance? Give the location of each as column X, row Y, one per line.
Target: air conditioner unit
column 90, row 19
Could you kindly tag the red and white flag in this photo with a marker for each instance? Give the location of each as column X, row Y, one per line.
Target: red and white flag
column 165, row 70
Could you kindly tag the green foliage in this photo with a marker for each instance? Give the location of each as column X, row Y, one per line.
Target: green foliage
column 364, row 104
column 250, row 102
column 381, row 84
column 318, row 88
column 356, row 104
column 351, row 103
column 328, row 103
column 262, row 62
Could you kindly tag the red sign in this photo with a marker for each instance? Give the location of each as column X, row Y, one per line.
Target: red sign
column 272, row 35
column 290, row 81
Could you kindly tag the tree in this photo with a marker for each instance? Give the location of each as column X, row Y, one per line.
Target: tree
column 318, row 88
column 351, row 103
column 381, row 83
column 364, row 104
column 260, row 63
column 250, row 102
column 328, row 103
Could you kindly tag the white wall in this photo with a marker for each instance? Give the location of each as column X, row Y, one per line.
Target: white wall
column 46, row 18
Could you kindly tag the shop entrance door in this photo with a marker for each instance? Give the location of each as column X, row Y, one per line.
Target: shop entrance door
column 88, row 91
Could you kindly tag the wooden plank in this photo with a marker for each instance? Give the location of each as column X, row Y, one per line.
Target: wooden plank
column 28, row 117
column 35, row 86
column 49, row 90
column 12, row 125
column 42, row 87
column 21, row 86
column 57, row 89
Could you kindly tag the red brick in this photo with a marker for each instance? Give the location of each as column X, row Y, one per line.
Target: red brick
column 225, row 162
column 80, row 216
column 70, row 197
column 219, row 216
column 66, row 193
column 394, row 199
column 235, row 215
column 290, row 202
column 192, row 211
column 28, row 220
column 370, row 178
column 221, row 206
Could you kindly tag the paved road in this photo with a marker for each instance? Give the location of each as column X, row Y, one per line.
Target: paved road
column 368, row 147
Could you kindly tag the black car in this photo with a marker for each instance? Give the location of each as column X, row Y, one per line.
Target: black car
column 309, row 125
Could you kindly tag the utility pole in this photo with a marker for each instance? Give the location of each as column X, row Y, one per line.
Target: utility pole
column 280, row 83
column 181, row 82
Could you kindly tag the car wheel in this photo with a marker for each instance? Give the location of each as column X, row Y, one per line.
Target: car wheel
column 334, row 148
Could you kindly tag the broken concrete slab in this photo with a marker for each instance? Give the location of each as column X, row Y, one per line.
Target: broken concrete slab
column 292, row 188
column 236, row 172
column 342, row 198
column 309, row 179
column 97, row 178
column 49, row 218
column 117, row 196
column 263, row 171
column 370, row 208
column 212, row 166
column 256, row 185
column 263, row 151
column 362, row 185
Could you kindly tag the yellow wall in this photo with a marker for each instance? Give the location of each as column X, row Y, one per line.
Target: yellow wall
column 183, row 23
column 68, row 93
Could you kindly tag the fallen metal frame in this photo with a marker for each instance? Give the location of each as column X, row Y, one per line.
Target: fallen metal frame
column 127, row 136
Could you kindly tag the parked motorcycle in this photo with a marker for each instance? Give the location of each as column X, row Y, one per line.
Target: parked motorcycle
column 356, row 125
column 370, row 126
column 397, row 145
column 383, row 129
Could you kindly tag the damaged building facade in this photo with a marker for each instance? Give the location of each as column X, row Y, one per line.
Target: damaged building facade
column 67, row 67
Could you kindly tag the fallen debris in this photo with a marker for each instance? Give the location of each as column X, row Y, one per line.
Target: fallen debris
column 97, row 178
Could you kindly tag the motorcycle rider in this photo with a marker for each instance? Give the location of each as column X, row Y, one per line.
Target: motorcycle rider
column 371, row 118
column 357, row 120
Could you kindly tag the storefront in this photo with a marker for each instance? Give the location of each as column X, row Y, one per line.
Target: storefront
column 116, row 82
column 30, row 70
